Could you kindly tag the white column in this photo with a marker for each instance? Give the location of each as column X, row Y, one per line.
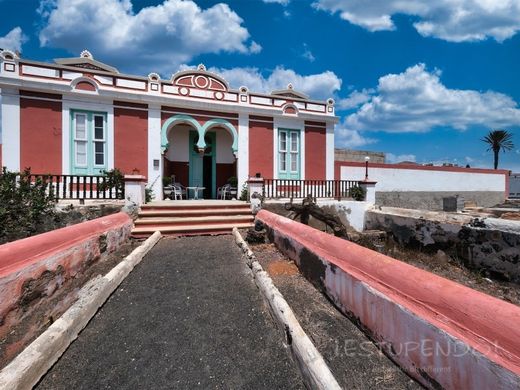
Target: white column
column 370, row 190
column 11, row 129
column 111, row 146
column 329, row 142
column 154, row 151
column 243, row 150
column 65, row 138
column 135, row 189
column 255, row 186
column 303, row 155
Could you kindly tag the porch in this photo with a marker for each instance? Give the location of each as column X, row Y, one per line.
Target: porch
column 199, row 155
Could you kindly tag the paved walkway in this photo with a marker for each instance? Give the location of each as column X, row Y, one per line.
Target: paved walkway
column 189, row 316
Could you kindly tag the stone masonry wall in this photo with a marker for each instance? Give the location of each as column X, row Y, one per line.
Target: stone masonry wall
column 428, row 200
column 490, row 245
column 35, row 268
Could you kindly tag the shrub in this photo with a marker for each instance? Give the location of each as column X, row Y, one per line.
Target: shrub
column 357, row 193
column 244, row 195
column 233, row 181
column 148, row 194
column 166, row 181
column 23, row 204
column 114, row 179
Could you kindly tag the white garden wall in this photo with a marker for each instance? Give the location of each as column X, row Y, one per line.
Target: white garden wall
column 416, row 186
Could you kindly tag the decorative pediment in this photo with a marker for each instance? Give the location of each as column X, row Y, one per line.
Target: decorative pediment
column 201, row 79
column 86, row 61
column 290, row 93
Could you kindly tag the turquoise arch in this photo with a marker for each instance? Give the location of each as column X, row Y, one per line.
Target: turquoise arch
column 201, row 130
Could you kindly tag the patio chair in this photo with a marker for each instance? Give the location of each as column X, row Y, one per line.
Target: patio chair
column 223, row 191
column 181, row 188
column 176, row 192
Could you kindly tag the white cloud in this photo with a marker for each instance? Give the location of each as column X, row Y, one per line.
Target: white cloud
column 13, row 40
column 317, row 86
column 282, row 2
column 451, row 20
column 307, row 53
column 417, row 101
column 355, row 99
column 255, row 48
column 157, row 37
column 346, row 138
column 392, row 158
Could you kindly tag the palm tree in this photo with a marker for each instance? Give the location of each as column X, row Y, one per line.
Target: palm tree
column 497, row 140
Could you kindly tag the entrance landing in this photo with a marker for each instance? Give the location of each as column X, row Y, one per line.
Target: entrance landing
column 198, row 202
column 192, row 217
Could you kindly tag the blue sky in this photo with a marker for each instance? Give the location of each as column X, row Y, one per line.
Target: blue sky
column 420, row 80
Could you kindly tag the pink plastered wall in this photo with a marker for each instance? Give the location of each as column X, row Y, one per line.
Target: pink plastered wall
column 53, row 258
column 442, row 333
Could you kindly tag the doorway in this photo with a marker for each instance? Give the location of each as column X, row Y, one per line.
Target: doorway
column 202, row 166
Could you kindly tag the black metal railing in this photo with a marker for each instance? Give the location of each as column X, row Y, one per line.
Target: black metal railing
column 79, row 186
column 286, row 188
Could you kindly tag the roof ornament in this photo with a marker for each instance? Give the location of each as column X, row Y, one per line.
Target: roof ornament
column 86, row 54
column 290, row 86
column 9, row 55
column 154, row 76
column 201, row 67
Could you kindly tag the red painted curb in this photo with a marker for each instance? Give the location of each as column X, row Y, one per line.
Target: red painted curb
column 19, row 254
column 399, row 303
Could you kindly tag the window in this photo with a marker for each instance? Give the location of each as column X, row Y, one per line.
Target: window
column 80, row 140
column 89, row 142
column 282, row 151
column 288, row 154
column 294, row 151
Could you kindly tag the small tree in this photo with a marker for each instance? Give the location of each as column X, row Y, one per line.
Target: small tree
column 23, row 204
column 499, row 140
column 114, row 179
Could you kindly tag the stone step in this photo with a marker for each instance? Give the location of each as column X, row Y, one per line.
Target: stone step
column 147, row 213
column 195, row 205
column 222, row 228
column 199, row 220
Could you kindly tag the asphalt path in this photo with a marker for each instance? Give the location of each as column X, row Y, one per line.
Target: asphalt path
column 188, row 316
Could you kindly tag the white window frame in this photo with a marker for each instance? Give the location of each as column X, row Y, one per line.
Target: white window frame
column 296, row 152
column 281, row 151
column 99, row 140
column 78, row 140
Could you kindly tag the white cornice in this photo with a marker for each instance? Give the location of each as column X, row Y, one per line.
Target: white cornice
column 108, row 95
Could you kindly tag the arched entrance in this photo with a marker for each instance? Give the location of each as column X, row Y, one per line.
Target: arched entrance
column 199, row 155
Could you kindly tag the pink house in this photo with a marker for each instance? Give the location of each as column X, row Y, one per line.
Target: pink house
column 80, row 116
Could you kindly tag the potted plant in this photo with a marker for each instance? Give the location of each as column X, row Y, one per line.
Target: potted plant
column 357, row 193
column 233, row 181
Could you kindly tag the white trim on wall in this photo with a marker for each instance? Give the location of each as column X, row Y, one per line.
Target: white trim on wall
column 11, row 129
column 154, row 151
column 243, row 149
column 329, row 154
column 410, row 180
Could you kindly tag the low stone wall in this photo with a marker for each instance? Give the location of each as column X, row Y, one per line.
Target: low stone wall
column 442, row 333
column 433, row 200
column 67, row 214
column 491, row 245
column 34, row 268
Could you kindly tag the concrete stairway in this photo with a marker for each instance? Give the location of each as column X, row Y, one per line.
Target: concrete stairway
column 192, row 217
